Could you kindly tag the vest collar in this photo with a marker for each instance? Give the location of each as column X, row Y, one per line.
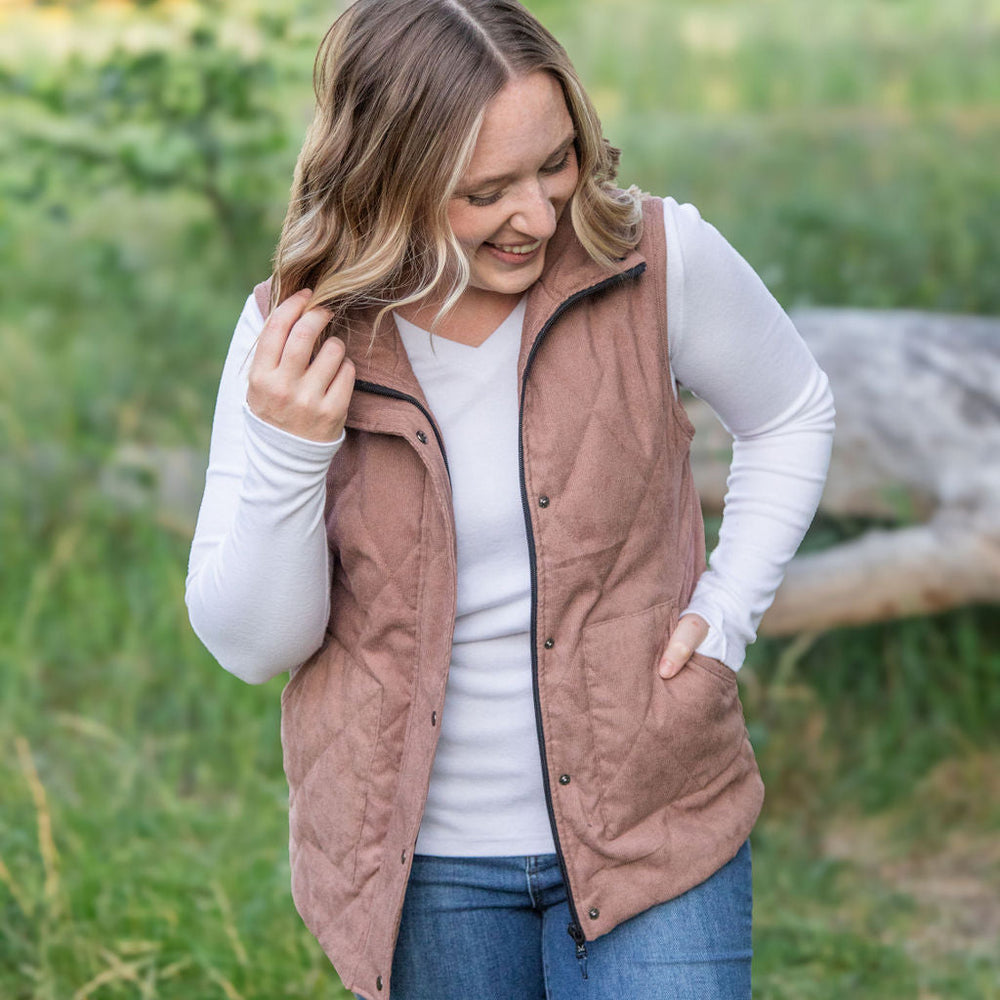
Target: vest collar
column 569, row 270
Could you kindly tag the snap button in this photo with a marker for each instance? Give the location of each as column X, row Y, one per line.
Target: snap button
column 378, row 983
column 402, row 858
column 543, row 501
column 564, row 779
column 549, row 643
column 421, row 437
column 593, row 913
column 434, row 718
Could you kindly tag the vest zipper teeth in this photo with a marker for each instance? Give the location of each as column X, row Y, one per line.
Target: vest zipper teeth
column 381, row 390
column 575, row 928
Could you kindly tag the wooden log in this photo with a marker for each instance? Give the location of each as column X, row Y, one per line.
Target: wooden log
column 918, row 442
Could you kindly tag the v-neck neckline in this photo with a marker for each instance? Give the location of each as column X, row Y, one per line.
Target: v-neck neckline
column 416, row 338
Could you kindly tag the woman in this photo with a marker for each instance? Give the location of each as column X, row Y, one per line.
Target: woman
column 450, row 493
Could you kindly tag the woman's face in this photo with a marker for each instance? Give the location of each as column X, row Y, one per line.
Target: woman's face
column 522, row 175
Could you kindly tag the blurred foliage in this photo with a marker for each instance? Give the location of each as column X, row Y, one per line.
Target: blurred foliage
column 847, row 150
column 197, row 116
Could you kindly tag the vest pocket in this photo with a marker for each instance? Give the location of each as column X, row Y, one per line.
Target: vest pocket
column 656, row 741
column 330, row 720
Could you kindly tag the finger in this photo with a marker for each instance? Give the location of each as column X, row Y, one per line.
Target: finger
column 279, row 323
column 324, row 367
column 338, row 396
column 333, row 408
column 301, row 340
column 687, row 636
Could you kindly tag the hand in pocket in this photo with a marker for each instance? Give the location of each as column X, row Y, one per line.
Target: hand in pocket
column 685, row 639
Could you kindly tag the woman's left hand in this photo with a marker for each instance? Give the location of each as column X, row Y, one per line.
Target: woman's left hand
column 689, row 634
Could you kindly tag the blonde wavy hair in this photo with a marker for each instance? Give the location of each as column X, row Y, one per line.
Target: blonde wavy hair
column 401, row 89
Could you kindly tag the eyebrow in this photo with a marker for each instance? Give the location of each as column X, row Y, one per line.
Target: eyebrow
column 482, row 182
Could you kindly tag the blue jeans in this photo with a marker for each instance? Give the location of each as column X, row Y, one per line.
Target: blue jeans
column 496, row 929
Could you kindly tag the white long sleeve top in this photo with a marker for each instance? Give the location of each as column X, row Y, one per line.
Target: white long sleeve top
column 258, row 582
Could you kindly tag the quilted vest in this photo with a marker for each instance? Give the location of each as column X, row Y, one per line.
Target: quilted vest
column 651, row 784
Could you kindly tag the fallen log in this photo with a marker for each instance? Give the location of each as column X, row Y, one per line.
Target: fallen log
column 918, row 443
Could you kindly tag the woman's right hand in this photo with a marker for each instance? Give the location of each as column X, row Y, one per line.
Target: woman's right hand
column 307, row 398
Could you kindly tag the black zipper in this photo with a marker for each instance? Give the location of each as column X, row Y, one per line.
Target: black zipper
column 575, row 929
column 381, row 390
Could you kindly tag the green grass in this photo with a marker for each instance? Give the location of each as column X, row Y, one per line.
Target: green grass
column 847, row 150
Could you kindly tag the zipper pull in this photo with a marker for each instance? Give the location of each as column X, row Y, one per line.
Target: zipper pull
column 576, row 933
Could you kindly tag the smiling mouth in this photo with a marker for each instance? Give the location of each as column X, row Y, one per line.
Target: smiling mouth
column 519, row 249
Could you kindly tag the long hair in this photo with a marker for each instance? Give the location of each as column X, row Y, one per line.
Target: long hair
column 401, row 89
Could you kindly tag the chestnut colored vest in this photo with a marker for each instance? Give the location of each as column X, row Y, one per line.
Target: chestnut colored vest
column 652, row 785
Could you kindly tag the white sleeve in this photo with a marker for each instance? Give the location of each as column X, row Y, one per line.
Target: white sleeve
column 733, row 346
column 258, row 586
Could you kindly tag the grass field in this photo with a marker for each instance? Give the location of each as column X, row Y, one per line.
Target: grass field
column 849, row 152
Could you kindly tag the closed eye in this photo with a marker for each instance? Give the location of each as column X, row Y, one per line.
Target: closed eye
column 483, row 200
column 555, row 168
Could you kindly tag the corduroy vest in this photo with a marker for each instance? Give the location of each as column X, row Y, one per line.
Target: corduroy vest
column 651, row 784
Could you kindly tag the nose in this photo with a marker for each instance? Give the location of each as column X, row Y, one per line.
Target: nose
column 534, row 214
